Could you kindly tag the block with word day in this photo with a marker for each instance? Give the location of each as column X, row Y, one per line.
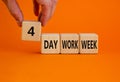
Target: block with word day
column 88, row 43
column 50, row 43
column 31, row 30
column 69, row 43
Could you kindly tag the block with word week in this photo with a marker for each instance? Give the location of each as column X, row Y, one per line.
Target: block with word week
column 50, row 43
column 69, row 43
column 88, row 43
column 31, row 30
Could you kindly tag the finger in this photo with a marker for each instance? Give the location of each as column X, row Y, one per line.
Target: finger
column 15, row 10
column 36, row 7
column 45, row 14
column 53, row 7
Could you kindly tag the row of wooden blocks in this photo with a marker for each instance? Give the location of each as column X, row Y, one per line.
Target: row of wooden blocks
column 60, row 43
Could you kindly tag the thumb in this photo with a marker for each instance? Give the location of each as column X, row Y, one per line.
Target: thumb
column 14, row 9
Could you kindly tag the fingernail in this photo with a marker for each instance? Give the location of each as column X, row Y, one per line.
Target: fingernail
column 19, row 23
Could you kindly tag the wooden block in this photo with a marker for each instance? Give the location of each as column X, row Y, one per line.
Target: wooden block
column 50, row 43
column 88, row 43
column 31, row 30
column 69, row 43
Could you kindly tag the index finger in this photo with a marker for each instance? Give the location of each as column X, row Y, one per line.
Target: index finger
column 45, row 14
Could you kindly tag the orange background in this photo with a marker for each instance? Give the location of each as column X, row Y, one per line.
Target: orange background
column 21, row 61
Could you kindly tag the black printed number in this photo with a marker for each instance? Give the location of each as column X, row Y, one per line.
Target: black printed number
column 31, row 31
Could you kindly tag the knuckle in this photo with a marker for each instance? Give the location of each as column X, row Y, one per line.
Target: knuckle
column 16, row 15
column 49, row 4
column 55, row 1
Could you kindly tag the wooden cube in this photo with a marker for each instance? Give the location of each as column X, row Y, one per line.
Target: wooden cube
column 88, row 43
column 69, row 43
column 50, row 43
column 31, row 30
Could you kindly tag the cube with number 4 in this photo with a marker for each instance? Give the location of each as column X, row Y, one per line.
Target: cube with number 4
column 31, row 30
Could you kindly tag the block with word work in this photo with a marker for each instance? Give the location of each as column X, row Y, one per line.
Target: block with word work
column 50, row 43
column 88, row 43
column 69, row 43
column 31, row 30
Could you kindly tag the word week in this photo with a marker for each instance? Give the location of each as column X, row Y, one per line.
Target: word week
column 85, row 43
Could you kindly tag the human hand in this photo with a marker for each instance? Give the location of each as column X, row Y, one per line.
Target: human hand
column 47, row 10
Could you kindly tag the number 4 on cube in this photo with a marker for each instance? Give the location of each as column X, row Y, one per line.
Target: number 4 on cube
column 31, row 30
